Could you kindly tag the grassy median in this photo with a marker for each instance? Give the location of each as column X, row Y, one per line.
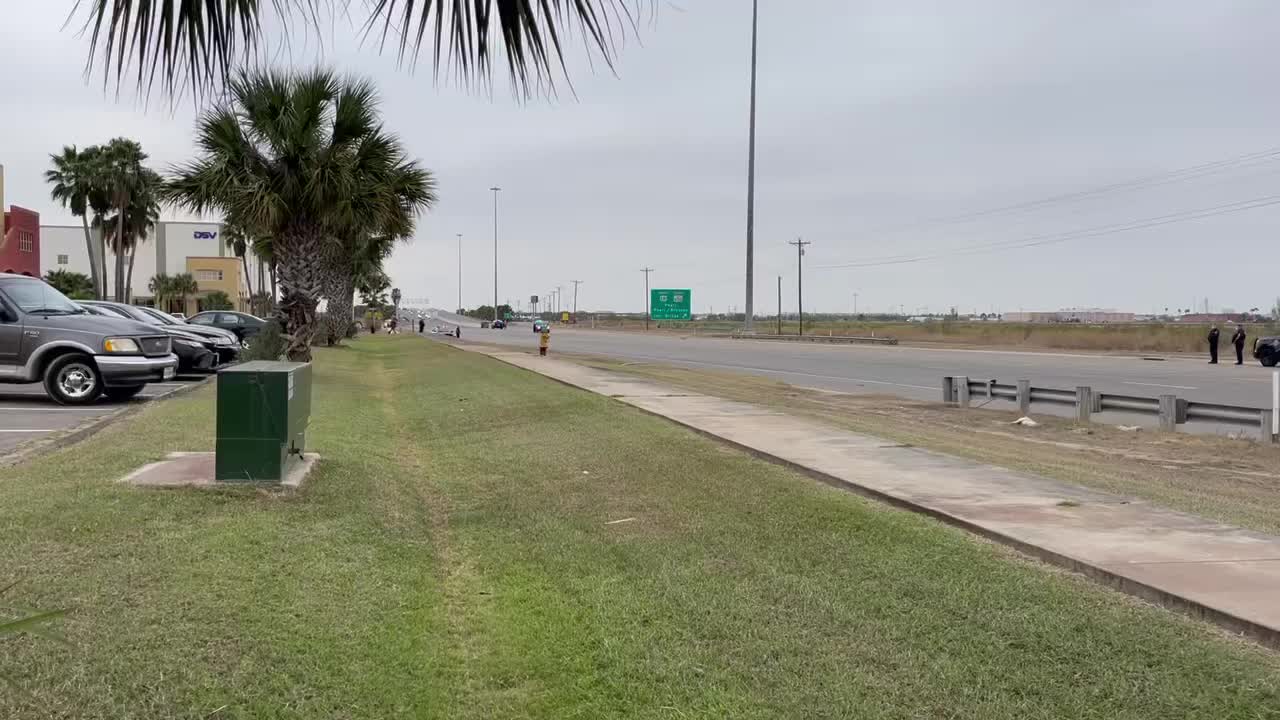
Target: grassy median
column 480, row 542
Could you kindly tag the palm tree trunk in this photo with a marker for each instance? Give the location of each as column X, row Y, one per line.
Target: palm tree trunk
column 121, row 207
column 128, row 283
column 244, row 260
column 300, row 273
column 93, row 261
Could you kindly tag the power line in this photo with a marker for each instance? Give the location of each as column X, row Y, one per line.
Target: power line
column 1036, row 240
column 1188, row 173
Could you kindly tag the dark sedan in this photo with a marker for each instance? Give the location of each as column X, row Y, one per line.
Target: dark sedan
column 195, row 352
column 1267, row 350
column 243, row 325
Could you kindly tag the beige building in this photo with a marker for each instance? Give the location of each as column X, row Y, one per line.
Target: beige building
column 216, row 274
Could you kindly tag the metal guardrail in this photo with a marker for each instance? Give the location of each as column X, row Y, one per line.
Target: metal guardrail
column 1170, row 410
column 847, row 339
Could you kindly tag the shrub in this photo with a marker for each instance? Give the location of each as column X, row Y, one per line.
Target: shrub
column 268, row 344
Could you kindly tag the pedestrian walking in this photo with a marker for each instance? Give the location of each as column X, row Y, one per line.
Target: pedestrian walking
column 392, row 331
column 1213, row 345
column 1238, row 340
column 422, row 326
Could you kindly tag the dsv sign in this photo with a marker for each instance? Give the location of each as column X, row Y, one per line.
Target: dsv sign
column 205, row 235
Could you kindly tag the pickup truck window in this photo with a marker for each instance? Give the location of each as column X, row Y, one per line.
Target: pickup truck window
column 37, row 297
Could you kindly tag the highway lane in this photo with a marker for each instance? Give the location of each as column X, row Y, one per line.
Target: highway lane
column 913, row 372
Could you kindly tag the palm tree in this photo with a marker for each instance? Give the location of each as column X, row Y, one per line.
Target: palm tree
column 197, row 48
column 125, row 177
column 75, row 181
column 217, row 300
column 161, row 287
column 183, row 286
column 142, row 215
column 238, row 241
column 283, row 154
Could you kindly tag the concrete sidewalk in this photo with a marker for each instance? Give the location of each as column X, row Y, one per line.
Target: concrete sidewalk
column 1224, row 574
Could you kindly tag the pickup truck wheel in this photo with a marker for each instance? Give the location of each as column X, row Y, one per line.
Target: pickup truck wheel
column 73, row 380
column 120, row 394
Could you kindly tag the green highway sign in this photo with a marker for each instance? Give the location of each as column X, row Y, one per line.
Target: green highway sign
column 669, row 304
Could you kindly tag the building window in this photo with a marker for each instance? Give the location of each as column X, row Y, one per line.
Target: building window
column 64, row 260
column 26, row 242
column 208, row 275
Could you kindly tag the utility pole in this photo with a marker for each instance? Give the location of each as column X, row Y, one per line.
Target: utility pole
column 646, row 272
column 800, row 243
column 749, row 323
column 559, row 291
column 779, row 304
column 576, row 283
column 459, row 272
column 495, row 190
column 855, row 305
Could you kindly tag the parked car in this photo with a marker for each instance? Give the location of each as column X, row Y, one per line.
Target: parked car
column 46, row 338
column 1267, row 350
column 178, row 316
column 243, row 325
column 195, row 352
column 224, row 342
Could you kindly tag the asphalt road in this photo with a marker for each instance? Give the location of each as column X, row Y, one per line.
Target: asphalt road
column 915, row 372
column 27, row 413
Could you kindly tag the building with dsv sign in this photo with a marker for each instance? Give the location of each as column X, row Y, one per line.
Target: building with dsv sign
column 171, row 248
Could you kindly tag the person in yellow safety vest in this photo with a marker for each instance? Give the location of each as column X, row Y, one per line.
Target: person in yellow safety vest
column 544, row 340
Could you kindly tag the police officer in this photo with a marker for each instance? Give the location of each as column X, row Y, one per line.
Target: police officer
column 1213, row 345
column 1238, row 340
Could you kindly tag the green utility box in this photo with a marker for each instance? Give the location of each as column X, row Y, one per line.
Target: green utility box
column 263, row 411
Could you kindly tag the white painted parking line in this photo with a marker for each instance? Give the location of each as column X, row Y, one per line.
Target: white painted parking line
column 1175, row 387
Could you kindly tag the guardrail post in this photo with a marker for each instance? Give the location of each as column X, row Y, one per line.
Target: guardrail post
column 1024, row 397
column 1264, row 426
column 1169, row 413
column 948, row 389
column 962, row 388
column 1084, row 403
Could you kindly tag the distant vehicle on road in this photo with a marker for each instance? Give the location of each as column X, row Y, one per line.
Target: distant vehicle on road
column 243, row 325
column 1267, row 350
column 44, row 337
column 499, row 324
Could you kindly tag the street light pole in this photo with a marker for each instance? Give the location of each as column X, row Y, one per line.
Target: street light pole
column 576, row 283
column 779, row 304
column 646, row 271
column 459, row 272
column 749, row 323
column 800, row 243
column 495, row 190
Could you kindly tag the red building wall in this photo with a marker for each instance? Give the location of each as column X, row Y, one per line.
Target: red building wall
column 20, row 251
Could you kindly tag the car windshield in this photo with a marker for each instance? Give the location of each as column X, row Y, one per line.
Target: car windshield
column 157, row 315
column 39, row 298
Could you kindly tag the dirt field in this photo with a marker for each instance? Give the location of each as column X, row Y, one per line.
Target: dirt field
column 1233, row 480
column 1131, row 338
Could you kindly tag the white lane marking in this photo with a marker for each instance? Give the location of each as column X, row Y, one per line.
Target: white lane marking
column 1175, row 387
column 783, row 372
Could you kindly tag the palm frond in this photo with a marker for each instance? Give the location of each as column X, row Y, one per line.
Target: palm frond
column 195, row 44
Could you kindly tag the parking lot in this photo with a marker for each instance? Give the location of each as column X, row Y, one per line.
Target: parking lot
column 27, row 413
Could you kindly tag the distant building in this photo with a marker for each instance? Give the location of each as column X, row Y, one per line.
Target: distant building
column 20, row 249
column 171, row 248
column 1089, row 316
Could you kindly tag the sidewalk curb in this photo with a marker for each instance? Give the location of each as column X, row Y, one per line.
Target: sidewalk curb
column 89, row 428
column 1263, row 634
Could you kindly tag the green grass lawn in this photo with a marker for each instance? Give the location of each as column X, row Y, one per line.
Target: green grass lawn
column 453, row 557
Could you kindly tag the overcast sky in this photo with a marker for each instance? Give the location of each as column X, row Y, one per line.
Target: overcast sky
column 879, row 122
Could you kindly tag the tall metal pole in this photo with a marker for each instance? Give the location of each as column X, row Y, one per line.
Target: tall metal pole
column 779, row 304
column 576, row 283
column 559, row 290
column 749, row 324
column 646, row 272
column 855, row 305
column 459, row 272
column 495, row 190
column 800, row 243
